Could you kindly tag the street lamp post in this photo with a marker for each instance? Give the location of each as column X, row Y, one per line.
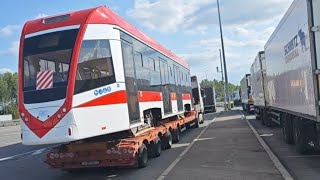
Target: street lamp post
column 222, row 79
column 224, row 59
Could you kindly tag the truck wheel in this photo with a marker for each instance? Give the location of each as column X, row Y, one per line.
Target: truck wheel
column 300, row 136
column 156, row 148
column 166, row 140
column 176, row 135
column 287, row 129
column 197, row 121
column 143, row 156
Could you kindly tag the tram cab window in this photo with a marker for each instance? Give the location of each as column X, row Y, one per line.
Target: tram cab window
column 95, row 66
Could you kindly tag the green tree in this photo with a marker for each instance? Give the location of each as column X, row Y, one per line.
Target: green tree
column 8, row 93
column 219, row 87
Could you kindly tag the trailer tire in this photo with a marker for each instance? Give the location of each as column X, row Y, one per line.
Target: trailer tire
column 197, row 121
column 167, row 140
column 156, row 148
column 142, row 156
column 262, row 117
column 287, row 129
column 176, row 135
column 300, row 137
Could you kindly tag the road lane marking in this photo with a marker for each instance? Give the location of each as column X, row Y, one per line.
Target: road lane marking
column 34, row 152
column 285, row 174
column 306, row 156
column 203, row 139
column 266, row 135
column 39, row 151
column 180, row 145
column 175, row 162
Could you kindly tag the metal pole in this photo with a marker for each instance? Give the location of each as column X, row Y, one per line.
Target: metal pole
column 222, row 79
column 224, row 59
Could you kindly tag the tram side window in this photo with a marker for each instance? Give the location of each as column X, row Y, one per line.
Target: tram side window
column 138, row 59
column 95, row 66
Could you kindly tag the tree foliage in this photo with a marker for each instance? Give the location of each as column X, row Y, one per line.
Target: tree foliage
column 219, row 87
column 8, row 94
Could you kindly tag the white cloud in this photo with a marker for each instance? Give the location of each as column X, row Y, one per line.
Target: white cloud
column 174, row 15
column 9, row 30
column 165, row 15
column 4, row 70
column 13, row 50
column 247, row 26
column 41, row 15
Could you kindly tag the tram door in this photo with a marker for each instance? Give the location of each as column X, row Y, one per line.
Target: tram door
column 131, row 84
column 166, row 97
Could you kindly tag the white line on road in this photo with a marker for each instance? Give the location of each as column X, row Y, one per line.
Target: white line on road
column 34, row 152
column 285, row 174
column 175, row 162
column 39, row 151
column 203, row 139
column 306, row 156
column 180, row 145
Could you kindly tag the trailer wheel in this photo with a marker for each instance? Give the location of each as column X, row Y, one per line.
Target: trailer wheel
column 156, row 148
column 262, row 116
column 300, row 137
column 143, row 156
column 166, row 140
column 287, row 129
column 197, row 122
column 176, row 135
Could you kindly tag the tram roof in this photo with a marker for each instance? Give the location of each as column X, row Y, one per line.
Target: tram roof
column 98, row 15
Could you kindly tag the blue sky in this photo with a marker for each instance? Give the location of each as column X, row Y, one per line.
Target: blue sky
column 187, row 27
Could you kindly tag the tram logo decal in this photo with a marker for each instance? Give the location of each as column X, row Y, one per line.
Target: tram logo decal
column 291, row 49
column 102, row 91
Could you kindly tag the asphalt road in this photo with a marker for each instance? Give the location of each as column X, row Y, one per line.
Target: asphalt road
column 26, row 162
column 301, row 167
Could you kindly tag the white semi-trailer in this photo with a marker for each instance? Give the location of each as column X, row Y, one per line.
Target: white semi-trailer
column 257, row 84
column 291, row 79
column 246, row 97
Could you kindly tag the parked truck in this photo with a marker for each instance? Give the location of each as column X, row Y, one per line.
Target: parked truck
column 209, row 99
column 236, row 98
column 108, row 93
column 246, row 97
column 258, row 83
column 289, row 77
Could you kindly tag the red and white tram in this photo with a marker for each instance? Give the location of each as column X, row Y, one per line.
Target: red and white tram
column 90, row 73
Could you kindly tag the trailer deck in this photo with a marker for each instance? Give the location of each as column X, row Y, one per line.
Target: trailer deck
column 117, row 152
